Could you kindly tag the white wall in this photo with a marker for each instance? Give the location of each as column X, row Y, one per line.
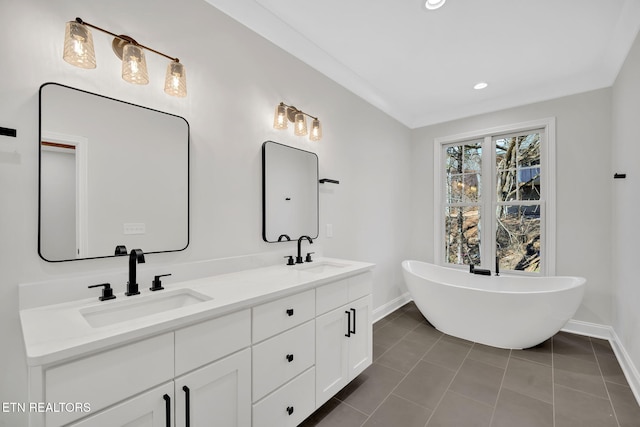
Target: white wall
column 235, row 80
column 583, row 132
column 625, row 148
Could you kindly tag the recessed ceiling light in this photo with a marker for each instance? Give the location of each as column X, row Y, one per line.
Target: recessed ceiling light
column 480, row 85
column 433, row 4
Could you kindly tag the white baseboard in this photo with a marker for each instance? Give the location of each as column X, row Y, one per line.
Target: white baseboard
column 608, row 333
column 391, row 306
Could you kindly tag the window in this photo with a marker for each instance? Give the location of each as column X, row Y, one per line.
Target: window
column 495, row 200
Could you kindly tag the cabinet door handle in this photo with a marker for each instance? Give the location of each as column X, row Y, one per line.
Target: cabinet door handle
column 348, row 313
column 167, row 409
column 290, row 357
column 186, row 406
column 290, row 311
column 289, row 410
column 353, row 310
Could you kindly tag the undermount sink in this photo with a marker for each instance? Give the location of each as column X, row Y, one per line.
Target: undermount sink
column 136, row 307
column 321, row 267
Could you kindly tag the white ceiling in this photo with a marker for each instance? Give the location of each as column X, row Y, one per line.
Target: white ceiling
column 419, row 66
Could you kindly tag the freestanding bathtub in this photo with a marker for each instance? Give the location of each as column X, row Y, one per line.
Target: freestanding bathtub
column 501, row 311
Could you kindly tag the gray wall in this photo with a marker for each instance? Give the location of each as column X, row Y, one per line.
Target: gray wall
column 625, row 149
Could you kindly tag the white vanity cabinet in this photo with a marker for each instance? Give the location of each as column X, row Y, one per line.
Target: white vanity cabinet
column 344, row 346
column 180, row 378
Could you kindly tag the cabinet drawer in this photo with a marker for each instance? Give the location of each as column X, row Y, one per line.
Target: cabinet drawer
column 289, row 405
column 208, row 341
column 278, row 359
column 108, row 377
column 360, row 285
column 332, row 296
column 277, row 316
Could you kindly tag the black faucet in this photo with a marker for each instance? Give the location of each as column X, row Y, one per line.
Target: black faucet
column 136, row 256
column 284, row 236
column 299, row 257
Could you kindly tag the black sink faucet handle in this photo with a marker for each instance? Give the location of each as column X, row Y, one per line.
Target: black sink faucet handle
column 156, row 284
column 308, row 258
column 107, row 292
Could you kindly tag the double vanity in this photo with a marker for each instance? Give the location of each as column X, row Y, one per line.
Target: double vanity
column 259, row 347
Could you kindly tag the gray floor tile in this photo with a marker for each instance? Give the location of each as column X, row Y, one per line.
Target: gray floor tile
column 478, row 381
column 335, row 414
column 404, row 355
column 457, row 410
column 517, row 410
column 370, row 388
column 610, row 368
column 529, row 378
column 425, row 384
column 448, row 352
column 396, row 411
column 407, row 321
column 574, row 408
column 490, row 355
column 625, row 405
column 389, row 334
column 424, row 333
column 601, row 346
column 539, row 354
column 575, row 346
column 578, row 374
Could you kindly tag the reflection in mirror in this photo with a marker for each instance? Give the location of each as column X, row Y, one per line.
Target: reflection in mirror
column 289, row 193
column 111, row 173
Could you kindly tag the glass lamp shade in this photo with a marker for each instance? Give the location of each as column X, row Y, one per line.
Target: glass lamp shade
column 134, row 65
column 175, row 83
column 280, row 120
column 316, row 130
column 78, row 46
column 300, row 125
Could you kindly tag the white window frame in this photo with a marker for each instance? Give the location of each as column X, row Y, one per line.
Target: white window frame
column 547, row 200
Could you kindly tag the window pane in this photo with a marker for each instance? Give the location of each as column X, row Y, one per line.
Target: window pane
column 518, row 237
column 472, row 159
column 506, row 185
column 463, row 188
column 506, row 149
column 462, row 235
column 529, row 184
column 454, row 159
column 529, row 150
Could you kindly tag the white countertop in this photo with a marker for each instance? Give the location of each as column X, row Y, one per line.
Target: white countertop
column 57, row 332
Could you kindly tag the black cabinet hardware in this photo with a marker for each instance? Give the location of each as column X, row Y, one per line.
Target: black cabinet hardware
column 289, row 311
column 348, row 313
column 619, row 175
column 107, row 292
column 8, row 132
column 290, row 358
column 289, row 410
column 331, row 181
column 156, row 284
column 167, row 409
column 187, row 419
column 353, row 310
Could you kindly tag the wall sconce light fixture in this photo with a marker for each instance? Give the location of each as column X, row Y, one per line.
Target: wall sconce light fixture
column 288, row 113
column 79, row 51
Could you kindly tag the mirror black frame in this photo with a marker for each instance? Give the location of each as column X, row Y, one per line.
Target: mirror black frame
column 40, row 172
column 264, row 193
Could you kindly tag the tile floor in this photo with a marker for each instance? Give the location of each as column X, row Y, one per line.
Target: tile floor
column 421, row 377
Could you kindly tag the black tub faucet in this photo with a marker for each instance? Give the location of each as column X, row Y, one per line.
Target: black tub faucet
column 136, row 256
column 299, row 257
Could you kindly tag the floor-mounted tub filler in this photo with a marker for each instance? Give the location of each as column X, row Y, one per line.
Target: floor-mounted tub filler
column 501, row 311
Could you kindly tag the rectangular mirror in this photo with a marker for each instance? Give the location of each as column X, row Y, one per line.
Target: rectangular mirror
column 111, row 173
column 289, row 193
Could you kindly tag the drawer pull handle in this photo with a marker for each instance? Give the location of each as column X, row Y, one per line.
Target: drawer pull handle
column 353, row 310
column 348, row 313
column 167, row 409
column 290, row 311
column 290, row 357
column 186, row 406
column 289, row 410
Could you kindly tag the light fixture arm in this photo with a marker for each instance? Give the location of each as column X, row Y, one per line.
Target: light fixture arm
column 125, row 38
column 295, row 110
